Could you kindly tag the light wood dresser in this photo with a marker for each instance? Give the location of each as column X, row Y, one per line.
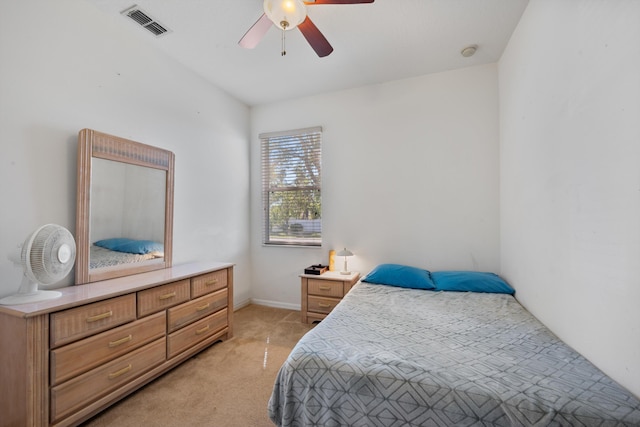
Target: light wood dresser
column 64, row 360
column 321, row 293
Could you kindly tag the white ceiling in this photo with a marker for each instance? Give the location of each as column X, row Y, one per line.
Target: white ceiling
column 373, row 43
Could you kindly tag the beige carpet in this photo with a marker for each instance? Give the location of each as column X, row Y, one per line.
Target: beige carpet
column 228, row 384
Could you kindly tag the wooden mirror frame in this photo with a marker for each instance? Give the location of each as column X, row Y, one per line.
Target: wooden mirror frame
column 93, row 144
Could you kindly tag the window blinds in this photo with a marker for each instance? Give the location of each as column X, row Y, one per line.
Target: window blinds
column 291, row 187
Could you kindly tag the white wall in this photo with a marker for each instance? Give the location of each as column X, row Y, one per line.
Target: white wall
column 410, row 175
column 570, row 176
column 65, row 66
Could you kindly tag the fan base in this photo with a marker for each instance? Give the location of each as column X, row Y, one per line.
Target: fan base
column 36, row 296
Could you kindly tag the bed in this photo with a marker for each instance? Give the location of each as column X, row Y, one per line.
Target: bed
column 398, row 356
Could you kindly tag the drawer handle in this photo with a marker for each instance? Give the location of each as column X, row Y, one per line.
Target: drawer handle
column 325, row 288
column 324, row 304
column 122, row 371
column 203, row 307
column 211, row 282
column 202, row 330
column 167, row 296
column 120, row 341
column 99, row 316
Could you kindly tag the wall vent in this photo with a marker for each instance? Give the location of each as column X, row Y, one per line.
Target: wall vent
column 145, row 20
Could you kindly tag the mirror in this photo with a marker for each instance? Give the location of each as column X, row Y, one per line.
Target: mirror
column 124, row 215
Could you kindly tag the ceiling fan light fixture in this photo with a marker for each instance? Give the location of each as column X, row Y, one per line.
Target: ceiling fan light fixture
column 285, row 14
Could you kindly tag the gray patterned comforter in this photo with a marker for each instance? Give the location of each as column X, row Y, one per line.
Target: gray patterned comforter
column 390, row 356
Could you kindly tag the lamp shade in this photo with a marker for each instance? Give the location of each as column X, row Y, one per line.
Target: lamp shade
column 345, row 252
column 286, row 14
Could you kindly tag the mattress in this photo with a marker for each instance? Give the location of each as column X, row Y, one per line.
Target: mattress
column 389, row 356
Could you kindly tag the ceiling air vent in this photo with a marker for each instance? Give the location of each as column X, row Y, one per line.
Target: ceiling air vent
column 145, row 20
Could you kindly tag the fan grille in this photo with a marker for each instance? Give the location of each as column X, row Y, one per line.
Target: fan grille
column 51, row 254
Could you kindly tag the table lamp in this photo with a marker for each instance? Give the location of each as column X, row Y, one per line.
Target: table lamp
column 345, row 253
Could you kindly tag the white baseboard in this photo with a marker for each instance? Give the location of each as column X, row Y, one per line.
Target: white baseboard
column 275, row 304
column 239, row 305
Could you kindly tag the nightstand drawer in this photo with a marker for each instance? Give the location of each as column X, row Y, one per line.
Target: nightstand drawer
column 76, row 323
column 161, row 297
column 322, row 304
column 326, row 288
column 321, row 293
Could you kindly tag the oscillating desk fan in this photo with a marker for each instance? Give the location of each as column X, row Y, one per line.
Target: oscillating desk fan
column 47, row 256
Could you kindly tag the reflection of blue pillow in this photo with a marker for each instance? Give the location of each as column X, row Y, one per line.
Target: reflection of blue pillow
column 141, row 247
column 112, row 243
column 470, row 281
column 400, row 275
column 123, row 244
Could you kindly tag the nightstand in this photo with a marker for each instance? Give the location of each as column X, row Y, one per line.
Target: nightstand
column 321, row 293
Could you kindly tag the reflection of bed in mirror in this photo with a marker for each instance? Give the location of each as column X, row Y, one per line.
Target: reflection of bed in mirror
column 126, row 200
column 102, row 257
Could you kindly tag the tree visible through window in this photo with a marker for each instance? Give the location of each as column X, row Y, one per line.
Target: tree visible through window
column 291, row 187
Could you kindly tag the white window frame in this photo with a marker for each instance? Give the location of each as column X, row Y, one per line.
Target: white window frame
column 279, row 228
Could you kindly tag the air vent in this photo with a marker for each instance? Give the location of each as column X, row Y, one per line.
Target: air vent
column 145, row 20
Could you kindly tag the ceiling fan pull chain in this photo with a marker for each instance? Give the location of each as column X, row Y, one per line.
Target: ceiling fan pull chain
column 284, row 25
column 284, row 52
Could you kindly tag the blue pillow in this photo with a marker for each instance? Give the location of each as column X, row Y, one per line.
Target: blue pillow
column 141, row 247
column 470, row 281
column 112, row 243
column 400, row 275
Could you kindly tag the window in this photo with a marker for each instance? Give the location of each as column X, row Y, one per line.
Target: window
column 291, row 187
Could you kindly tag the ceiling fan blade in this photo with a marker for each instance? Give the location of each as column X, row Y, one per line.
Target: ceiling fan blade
column 257, row 31
column 311, row 2
column 315, row 38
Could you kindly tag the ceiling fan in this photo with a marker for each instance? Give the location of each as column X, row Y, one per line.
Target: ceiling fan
column 287, row 15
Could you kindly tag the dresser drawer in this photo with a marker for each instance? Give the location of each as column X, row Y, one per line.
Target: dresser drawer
column 197, row 309
column 190, row 335
column 80, row 356
column 326, row 288
column 161, row 297
column 72, row 395
column 76, row 323
column 322, row 304
column 206, row 283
